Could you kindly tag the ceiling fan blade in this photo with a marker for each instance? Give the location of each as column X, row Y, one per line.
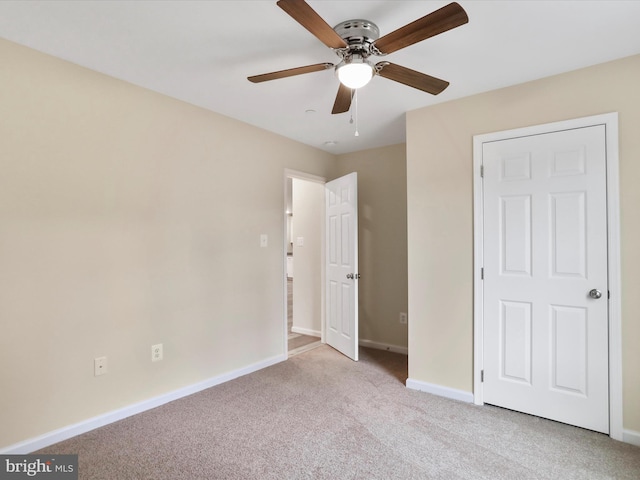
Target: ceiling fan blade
column 306, row 16
column 290, row 72
column 343, row 100
column 446, row 18
column 409, row 77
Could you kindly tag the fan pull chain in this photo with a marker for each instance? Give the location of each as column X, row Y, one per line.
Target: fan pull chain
column 355, row 103
column 357, row 134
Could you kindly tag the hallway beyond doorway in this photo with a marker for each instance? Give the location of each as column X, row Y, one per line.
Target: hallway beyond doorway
column 296, row 342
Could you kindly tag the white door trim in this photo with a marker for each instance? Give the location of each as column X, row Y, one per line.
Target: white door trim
column 309, row 177
column 610, row 121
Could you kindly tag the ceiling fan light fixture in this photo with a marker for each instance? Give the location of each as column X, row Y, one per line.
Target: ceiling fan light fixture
column 354, row 71
column 354, row 41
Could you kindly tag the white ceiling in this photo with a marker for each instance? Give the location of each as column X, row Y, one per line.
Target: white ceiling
column 202, row 51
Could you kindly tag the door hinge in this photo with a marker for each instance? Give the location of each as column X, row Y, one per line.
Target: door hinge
column 481, row 375
column 482, row 273
column 608, row 294
column 482, row 170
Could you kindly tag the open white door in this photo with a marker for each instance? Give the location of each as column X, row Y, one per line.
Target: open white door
column 341, row 217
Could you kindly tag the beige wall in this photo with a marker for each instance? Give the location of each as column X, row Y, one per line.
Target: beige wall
column 308, row 217
column 440, row 223
column 382, row 219
column 128, row 219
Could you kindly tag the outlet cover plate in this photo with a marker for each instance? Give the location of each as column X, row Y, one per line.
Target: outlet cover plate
column 156, row 352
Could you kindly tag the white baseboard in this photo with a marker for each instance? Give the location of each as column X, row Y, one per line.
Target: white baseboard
column 306, row 331
column 383, row 346
column 632, row 437
column 69, row 431
column 439, row 390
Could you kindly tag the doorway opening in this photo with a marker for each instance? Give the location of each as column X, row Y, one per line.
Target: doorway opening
column 304, row 258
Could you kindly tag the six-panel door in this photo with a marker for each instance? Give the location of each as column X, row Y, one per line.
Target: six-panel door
column 545, row 248
column 342, row 264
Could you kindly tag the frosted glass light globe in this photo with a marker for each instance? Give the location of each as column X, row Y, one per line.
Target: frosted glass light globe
column 355, row 74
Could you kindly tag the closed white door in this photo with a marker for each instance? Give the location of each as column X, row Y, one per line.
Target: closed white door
column 342, row 264
column 545, row 337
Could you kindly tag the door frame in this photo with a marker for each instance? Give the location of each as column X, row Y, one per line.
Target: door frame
column 610, row 121
column 309, row 177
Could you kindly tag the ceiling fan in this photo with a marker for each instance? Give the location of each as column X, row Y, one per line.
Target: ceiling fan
column 354, row 41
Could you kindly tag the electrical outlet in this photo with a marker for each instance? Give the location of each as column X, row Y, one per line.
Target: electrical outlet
column 99, row 366
column 156, row 352
column 403, row 318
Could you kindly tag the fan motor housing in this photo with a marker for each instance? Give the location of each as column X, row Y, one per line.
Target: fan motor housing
column 358, row 33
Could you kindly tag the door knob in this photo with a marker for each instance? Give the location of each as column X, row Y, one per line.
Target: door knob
column 350, row 275
column 595, row 293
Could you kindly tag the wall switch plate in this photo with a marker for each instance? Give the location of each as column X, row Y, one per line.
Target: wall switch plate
column 300, row 241
column 99, row 366
column 264, row 240
column 403, row 318
column 156, row 352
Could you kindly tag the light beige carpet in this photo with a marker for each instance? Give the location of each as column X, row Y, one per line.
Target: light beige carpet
column 321, row 416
